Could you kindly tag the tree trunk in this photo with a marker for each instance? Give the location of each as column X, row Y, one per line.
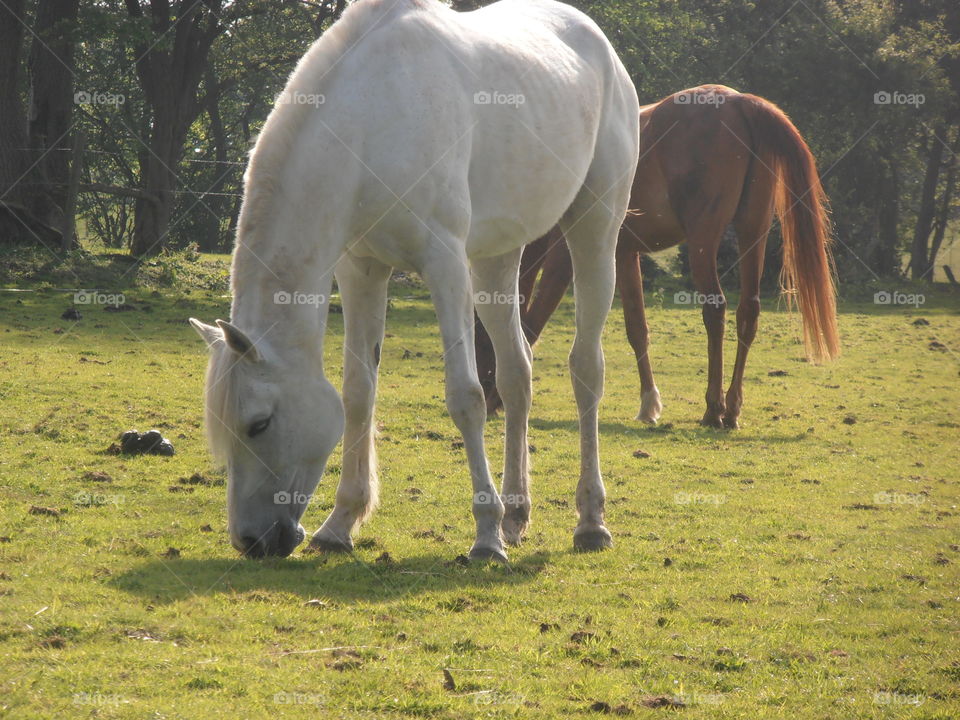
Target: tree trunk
column 887, row 259
column 918, row 255
column 943, row 215
column 52, row 103
column 170, row 74
column 13, row 122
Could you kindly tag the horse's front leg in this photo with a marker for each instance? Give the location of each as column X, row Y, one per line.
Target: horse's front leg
column 363, row 292
column 448, row 278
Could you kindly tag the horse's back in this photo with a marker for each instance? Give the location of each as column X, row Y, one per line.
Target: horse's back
column 484, row 123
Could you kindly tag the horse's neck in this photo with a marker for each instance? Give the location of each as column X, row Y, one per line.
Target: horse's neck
column 281, row 292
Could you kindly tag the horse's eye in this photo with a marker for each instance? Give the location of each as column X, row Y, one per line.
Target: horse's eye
column 258, row 427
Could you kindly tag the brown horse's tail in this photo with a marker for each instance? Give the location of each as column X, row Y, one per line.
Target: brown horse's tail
column 801, row 206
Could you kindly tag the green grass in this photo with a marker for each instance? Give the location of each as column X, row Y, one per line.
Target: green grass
column 852, row 607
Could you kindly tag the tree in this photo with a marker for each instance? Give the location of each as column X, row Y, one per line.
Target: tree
column 171, row 58
column 51, row 70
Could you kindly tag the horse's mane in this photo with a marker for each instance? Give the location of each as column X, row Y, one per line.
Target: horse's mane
column 221, row 401
column 276, row 139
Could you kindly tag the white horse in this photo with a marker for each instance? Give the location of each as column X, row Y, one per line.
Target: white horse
column 416, row 137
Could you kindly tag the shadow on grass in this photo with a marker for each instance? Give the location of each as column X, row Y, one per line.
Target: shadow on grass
column 691, row 432
column 335, row 577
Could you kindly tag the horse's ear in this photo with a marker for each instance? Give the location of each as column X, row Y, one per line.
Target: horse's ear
column 238, row 341
column 209, row 333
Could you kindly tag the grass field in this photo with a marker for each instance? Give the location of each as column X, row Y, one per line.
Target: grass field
column 805, row 566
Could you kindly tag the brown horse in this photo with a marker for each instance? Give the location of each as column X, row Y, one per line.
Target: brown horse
column 709, row 157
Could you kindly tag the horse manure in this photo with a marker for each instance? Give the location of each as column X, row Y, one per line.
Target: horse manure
column 641, row 454
column 667, row 562
column 777, row 373
column 71, row 314
column 582, row 636
column 850, row 420
column 920, row 321
column 97, row 476
column 206, row 528
column 171, row 552
column 662, row 701
column 49, row 511
column 741, row 598
column 151, row 442
column 547, row 627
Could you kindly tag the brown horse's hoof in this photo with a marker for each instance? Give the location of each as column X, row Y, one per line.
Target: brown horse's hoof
column 731, row 423
column 711, row 420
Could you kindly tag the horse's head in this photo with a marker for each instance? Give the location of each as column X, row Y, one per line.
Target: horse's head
column 274, row 422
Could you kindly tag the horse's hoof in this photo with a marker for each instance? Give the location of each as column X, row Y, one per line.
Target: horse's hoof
column 482, row 554
column 650, row 407
column 514, row 525
column 326, row 545
column 731, row 423
column 592, row 540
column 711, row 420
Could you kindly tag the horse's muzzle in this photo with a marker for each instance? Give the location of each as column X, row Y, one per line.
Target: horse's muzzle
column 279, row 541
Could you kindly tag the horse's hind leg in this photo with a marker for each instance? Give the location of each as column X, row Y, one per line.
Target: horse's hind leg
column 363, row 291
column 591, row 232
column 495, row 279
column 704, row 241
column 630, row 282
column 448, row 277
column 752, row 225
